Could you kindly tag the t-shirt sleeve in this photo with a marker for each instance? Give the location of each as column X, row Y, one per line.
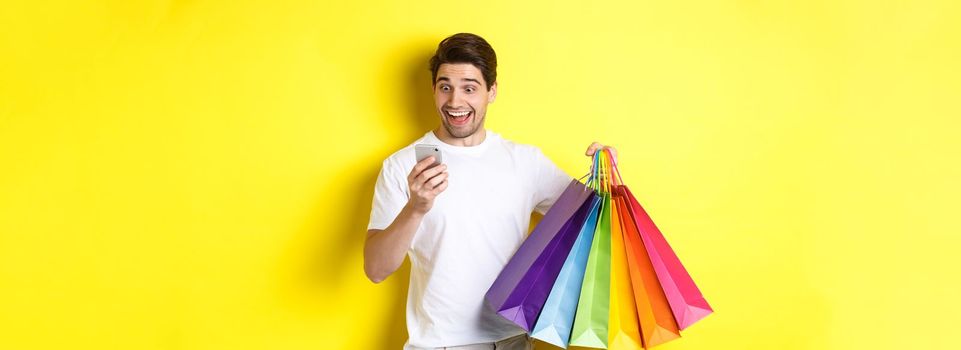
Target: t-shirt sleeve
column 549, row 182
column 390, row 196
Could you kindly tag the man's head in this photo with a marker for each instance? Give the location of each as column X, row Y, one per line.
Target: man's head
column 464, row 74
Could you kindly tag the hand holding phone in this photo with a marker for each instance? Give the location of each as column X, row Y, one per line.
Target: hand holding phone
column 426, row 181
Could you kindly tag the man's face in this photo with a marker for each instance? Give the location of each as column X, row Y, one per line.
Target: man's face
column 461, row 97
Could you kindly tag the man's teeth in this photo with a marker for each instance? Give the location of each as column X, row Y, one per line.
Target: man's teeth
column 458, row 114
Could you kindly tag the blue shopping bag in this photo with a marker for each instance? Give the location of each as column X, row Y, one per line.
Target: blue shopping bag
column 557, row 317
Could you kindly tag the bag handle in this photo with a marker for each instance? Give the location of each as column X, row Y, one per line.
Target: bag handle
column 604, row 173
column 593, row 181
column 616, row 178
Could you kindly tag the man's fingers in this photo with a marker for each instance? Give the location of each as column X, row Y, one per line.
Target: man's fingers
column 429, row 173
column 613, row 152
column 592, row 148
column 440, row 188
column 436, row 180
column 419, row 167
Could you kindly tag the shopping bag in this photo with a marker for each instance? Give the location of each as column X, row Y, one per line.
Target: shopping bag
column 557, row 316
column 524, row 304
column 624, row 333
column 521, row 288
column 596, row 272
column 591, row 319
column 654, row 313
column 687, row 303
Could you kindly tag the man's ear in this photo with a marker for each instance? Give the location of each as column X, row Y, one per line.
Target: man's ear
column 492, row 93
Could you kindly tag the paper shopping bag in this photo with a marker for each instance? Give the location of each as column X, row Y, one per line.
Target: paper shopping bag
column 687, row 304
column 593, row 305
column 624, row 333
column 654, row 313
column 557, row 317
column 524, row 304
column 521, row 288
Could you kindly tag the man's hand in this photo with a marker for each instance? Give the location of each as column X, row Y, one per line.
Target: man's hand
column 425, row 184
column 384, row 250
column 596, row 146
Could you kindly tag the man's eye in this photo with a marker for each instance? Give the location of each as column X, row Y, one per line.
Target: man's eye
column 445, row 88
column 469, row 90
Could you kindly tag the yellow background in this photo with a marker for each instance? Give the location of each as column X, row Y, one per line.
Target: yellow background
column 198, row 174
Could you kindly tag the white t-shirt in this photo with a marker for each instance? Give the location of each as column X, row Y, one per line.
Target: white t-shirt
column 471, row 231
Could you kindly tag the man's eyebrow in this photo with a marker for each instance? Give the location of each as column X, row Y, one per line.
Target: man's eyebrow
column 443, row 78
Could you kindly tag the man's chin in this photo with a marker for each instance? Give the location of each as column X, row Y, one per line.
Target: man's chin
column 461, row 132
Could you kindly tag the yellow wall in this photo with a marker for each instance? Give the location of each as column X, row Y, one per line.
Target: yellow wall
column 198, row 174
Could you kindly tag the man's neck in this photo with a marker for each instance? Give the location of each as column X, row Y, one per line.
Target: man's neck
column 469, row 141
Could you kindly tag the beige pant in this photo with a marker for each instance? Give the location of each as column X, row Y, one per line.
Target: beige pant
column 520, row 342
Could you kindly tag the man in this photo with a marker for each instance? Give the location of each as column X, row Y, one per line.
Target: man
column 459, row 222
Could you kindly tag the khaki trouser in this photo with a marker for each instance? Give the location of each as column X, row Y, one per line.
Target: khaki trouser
column 520, row 342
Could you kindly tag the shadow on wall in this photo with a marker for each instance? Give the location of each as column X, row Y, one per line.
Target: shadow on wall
column 414, row 72
column 323, row 247
column 418, row 92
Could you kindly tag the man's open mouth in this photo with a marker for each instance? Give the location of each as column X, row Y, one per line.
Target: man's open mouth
column 458, row 118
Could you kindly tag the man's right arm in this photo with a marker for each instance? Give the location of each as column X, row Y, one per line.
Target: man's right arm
column 384, row 250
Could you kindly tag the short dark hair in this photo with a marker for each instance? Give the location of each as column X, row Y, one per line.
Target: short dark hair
column 466, row 48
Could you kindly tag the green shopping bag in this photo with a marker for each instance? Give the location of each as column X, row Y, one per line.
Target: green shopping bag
column 593, row 307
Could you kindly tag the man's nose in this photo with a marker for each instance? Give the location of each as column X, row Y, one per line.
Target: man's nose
column 456, row 99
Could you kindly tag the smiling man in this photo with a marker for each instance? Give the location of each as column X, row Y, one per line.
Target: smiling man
column 460, row 221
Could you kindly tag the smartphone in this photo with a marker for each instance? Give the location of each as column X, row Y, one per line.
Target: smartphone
column 426, row 150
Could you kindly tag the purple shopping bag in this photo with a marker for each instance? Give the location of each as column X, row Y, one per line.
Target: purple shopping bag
column 521, row 289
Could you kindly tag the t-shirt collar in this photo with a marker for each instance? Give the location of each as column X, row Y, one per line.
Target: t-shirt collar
column 431, row 138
